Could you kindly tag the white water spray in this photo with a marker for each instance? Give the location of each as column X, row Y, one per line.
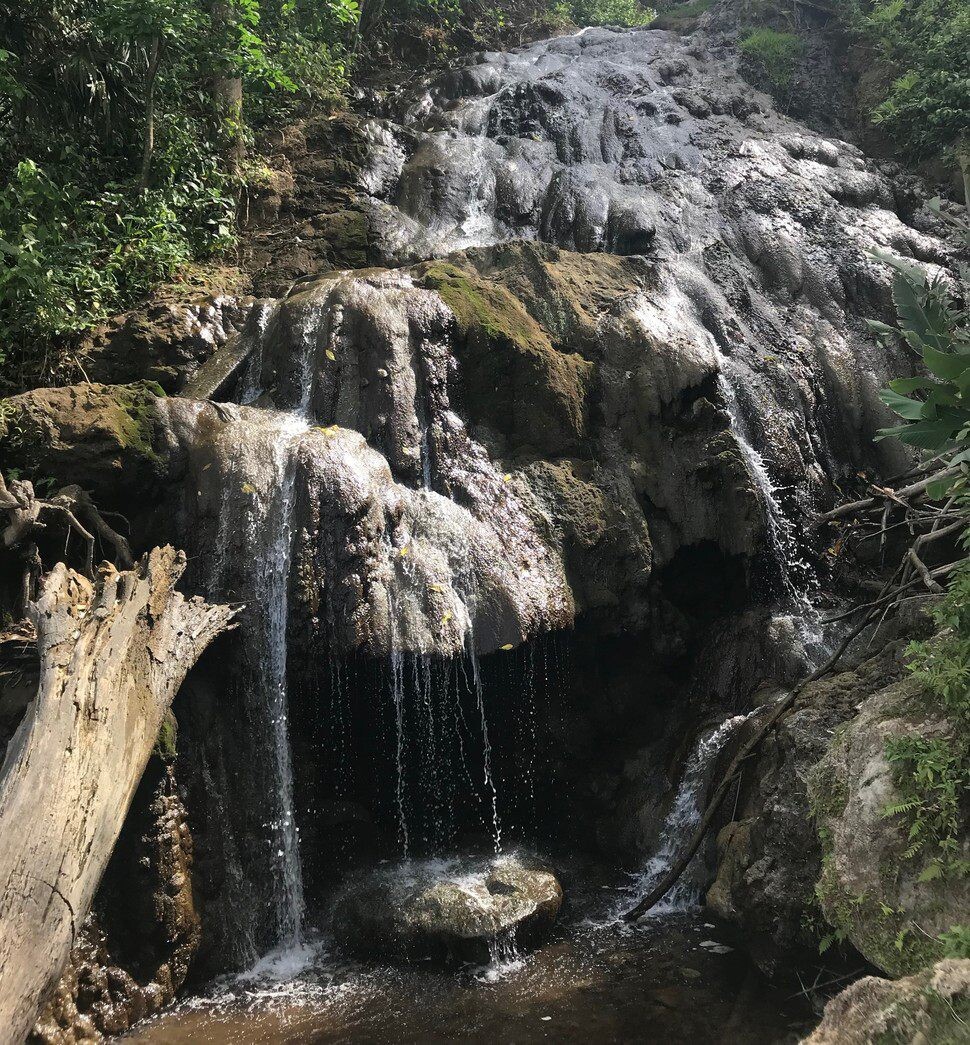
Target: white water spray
column 681, row 821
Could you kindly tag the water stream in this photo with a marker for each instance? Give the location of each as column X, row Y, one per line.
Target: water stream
column 798, row 577
column 679, row 826
column 258, row 486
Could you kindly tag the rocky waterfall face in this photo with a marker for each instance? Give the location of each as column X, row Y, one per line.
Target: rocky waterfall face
column 520, row 515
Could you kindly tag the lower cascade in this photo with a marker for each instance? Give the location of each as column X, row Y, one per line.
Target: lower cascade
column 516, row 531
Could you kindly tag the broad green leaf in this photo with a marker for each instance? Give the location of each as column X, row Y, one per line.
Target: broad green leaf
column 945, row 364
column 919, row 313
column 938, row 489
column 910, row 409
column 904, row 385
column 931, row 871
column 929, row 435
column 913, row 272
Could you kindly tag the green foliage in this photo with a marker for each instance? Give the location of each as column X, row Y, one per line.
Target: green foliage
column 605, row 12
column 682, row 12
column 116, row 170
column 772, row 56
column 942, row 664
column 924, row 46
column 932, row 774
column 936, row 326
column 932, row 771
column 956, row 942
column 72, row 258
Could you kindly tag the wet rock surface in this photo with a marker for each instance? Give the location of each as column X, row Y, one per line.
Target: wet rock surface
column 447, row 910
column 647, row 143
column 165, row 342
column 769, row 854
column 931, row 1006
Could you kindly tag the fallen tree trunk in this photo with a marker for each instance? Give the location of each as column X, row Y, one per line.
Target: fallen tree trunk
column 112, row 657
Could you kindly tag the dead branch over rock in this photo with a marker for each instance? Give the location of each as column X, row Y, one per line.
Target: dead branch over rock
column 28, row 515
column 112, row 656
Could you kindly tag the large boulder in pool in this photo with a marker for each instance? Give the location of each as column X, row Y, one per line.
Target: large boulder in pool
column 447, row 911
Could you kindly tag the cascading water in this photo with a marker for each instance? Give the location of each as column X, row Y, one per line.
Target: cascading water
column 680, row 823
column 486, row 748
column 799, row 582
column 678, row 231
column 258, row 493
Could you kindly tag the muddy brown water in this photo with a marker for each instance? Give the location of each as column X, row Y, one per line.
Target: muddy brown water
column 674, row 979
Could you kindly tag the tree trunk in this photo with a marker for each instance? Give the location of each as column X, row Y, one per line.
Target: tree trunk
column 112, row 657
column 148, row 145
column 227, row 97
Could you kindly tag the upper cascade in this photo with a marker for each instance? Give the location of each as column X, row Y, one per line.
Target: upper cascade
column 647, row 340
column 644, row 142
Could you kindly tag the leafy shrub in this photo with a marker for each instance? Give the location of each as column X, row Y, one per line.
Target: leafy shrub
column 927, row 102
column 606, row 12
column 956, row 942
column 772, row 56
column 72, row 258
column 932, row 774
column 936, row 326
column 118, row 160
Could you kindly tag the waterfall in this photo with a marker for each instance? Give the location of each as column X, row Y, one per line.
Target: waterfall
column 799, row 584
column 258, row 487
column 682, row 819
column 397, row 695
column 486, row 748
column 432, row 734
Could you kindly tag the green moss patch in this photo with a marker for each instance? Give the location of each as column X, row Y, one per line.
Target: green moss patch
column 512, row 377
column 86, row 434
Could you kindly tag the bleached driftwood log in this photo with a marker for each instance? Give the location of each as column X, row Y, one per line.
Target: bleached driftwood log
column 112, row 657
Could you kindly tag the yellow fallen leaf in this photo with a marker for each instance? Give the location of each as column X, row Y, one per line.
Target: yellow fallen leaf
column 508, row 646
column 446, row 618
column 248, row 488
column 507, row 477
column 435, row 587
column 404, row 550
column 330, row 355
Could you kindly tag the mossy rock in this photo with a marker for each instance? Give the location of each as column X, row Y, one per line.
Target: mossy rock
column 681, row 17
column 102, row 437
column 932, row 1006
column 512, row 379
column 166, row 745
column 888, row 902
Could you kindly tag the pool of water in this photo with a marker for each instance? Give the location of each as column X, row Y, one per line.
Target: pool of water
column 674, row 978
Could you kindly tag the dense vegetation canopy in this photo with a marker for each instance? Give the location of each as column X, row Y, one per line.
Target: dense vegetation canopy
column 124, row 126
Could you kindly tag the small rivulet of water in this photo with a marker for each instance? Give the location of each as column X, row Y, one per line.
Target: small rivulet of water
column 681, row 821
column 797, row 576
column 487, row 770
